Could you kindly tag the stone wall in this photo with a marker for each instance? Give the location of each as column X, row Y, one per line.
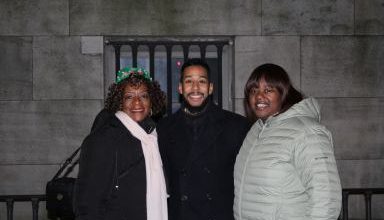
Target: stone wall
column 52, row 78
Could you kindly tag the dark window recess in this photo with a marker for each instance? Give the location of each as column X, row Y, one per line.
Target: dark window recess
column 164, row 59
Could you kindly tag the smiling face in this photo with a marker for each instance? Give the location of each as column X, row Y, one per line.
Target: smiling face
column 136, row 102
column 195, row 86
column 264, row 100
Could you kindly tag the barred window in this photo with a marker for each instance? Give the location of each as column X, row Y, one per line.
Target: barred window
column 164, row 58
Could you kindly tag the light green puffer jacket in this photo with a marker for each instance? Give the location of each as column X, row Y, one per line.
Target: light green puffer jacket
column 286, row 169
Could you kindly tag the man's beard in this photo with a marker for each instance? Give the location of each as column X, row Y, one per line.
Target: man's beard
column 196, row 109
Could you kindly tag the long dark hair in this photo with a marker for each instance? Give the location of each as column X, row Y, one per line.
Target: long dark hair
column 276, row 77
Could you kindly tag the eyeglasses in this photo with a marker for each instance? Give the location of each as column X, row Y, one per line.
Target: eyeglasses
column 131, row 96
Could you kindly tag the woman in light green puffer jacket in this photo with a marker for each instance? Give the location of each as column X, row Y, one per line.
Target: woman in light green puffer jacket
column 286, row 169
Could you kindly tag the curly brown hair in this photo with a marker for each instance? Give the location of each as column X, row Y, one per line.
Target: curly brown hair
column 114, row 100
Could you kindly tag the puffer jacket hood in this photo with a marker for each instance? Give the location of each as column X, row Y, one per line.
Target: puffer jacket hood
column 308, row 107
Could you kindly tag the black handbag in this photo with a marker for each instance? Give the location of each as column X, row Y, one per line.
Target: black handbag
column 59, row 192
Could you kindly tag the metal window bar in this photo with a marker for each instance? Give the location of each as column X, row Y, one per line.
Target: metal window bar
column 367, row 192
column 134, row 44
column 35, row 199
column 11, row 199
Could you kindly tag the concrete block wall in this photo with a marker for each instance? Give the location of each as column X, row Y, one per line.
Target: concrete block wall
column 52, row 79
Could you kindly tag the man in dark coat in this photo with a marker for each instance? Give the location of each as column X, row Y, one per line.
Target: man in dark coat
column 198, row 145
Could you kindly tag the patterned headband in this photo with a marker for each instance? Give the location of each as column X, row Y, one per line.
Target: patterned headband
column 128, row 72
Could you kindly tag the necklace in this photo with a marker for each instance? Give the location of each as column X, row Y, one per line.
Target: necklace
column 186, row 110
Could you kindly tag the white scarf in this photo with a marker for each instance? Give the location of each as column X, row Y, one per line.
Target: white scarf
column 156, row 189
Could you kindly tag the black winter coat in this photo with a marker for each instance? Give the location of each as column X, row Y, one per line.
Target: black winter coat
column 200, row 178
column 111, row 183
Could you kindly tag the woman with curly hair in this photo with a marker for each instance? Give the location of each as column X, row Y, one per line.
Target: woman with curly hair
column 120, row 169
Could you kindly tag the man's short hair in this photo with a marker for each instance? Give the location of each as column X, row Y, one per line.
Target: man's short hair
column 195, row 62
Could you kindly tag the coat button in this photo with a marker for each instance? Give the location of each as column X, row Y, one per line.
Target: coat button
column 184, row 198
column 183, row 172
column 207, row 170
column 208, row 195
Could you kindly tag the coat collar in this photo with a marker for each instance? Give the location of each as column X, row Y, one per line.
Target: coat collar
column 214, row 126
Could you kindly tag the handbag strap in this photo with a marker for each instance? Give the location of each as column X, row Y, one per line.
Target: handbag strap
column 66, row 163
